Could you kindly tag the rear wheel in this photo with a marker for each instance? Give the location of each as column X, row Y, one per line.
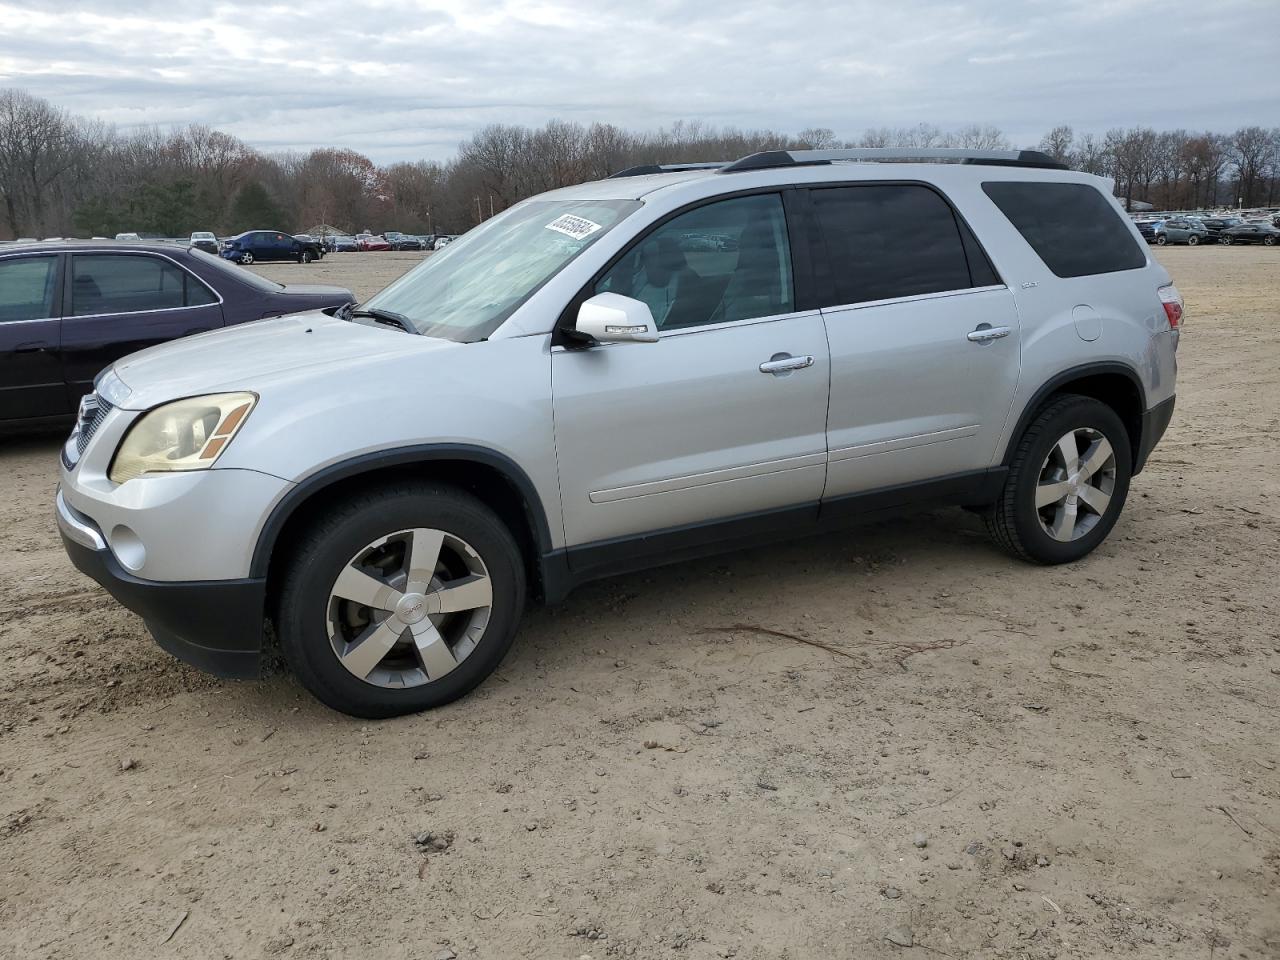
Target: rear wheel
column 403, row 599
column 1067, row 483
column 1161, row 240
column 1226, row 241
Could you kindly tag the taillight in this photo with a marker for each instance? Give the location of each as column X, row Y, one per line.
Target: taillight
column 1172, row 301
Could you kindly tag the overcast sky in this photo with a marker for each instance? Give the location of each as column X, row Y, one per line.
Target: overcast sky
column 403, row 79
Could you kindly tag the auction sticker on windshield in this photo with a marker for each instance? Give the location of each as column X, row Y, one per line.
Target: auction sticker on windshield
column 571, row 226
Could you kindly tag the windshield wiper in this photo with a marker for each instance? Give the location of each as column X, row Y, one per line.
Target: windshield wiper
column 382, row 316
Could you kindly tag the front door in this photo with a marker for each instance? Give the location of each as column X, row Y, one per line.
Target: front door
column 724, row 416
column 119, row 303
column 924, row 339
column 30, row 373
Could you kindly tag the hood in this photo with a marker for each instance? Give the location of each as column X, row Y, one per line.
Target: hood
column 252, row 356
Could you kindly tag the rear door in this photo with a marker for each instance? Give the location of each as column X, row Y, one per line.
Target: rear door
column 119, row 303
column 924, row 339
column 30, row 371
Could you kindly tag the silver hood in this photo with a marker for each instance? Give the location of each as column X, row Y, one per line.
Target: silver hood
column 252, row 356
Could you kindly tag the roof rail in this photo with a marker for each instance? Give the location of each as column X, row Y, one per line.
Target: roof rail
column 647, row 168
column 796, row 158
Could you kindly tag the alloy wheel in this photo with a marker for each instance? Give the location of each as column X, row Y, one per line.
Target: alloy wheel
column 409, row 607
column 1076, row 481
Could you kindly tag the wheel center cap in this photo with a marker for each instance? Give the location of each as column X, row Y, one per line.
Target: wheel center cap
column 411, row 608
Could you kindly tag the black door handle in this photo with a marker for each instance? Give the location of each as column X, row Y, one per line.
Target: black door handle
column 31, row 346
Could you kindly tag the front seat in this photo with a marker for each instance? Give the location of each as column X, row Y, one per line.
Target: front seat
column 755, row 288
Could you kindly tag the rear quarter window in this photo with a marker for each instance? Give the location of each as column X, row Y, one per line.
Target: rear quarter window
column 1071, row 226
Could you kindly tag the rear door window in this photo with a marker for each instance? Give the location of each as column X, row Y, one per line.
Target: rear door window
column 886, row 241
column 128, row 283
column 1073, row 228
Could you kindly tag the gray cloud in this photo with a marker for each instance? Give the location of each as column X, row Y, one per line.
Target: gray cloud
column 402, row 79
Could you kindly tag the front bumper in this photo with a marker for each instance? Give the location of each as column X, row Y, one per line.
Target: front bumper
column 1154, row 423
column 215, row 625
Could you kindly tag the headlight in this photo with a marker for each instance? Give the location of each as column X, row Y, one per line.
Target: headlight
column 183, row 435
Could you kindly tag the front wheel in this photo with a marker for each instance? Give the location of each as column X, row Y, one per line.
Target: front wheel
column 1268, row 241
column 246, row 258
column 402, row 599
column 1193, row 240
column 1161, row 240
column 307, row 256
column 1067, row 483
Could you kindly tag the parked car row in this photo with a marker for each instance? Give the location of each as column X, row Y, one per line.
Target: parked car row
column 265, row 245
column 1193, row 230
column 391, row 240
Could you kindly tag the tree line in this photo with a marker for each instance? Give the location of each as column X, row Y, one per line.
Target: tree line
column 66, row 175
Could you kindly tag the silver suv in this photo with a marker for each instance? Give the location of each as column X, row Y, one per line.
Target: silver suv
column 663, row 364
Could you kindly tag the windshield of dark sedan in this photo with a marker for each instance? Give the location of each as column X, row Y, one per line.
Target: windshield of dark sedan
column 465, row 291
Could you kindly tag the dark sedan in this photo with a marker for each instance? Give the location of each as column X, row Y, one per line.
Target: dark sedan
column 402, row 241
column 69, row 309
column 260, row 246
column 1215, row 225
column 1251, row 233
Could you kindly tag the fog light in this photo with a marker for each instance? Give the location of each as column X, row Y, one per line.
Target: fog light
column 128, row 548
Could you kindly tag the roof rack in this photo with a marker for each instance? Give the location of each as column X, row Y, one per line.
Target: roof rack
column 647, row 168
column 796, row 158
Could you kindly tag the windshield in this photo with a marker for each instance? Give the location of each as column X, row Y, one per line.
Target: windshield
column 465, row 291
column 201, row 236
column 241, row 274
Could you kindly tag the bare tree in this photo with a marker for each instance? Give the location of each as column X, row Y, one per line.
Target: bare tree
column 1251, row 154
column 38, row 144
column 1057, row 143
column 817, row 138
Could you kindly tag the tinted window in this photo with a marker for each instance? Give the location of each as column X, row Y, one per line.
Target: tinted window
column 725, row 261
column 27, row 285
column 887, row 241
column 124, row 283
column 1074, row 228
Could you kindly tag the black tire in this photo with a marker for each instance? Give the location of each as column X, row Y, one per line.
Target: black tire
column 307, row 256
column 1161, row 240
column 246, row 258
column 1268, row 241
column 323, row 552
column 1225, row 241
column 1193, row 240
column 1014, row 522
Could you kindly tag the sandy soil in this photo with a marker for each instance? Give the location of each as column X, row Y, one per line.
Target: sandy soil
column 807, row 751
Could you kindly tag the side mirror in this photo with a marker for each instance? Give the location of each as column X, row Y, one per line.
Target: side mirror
column 613, row 318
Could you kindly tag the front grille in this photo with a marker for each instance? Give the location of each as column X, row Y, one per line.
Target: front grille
column 93, row 410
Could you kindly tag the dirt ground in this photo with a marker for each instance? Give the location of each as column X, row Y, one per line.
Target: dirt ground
column 818, row 750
